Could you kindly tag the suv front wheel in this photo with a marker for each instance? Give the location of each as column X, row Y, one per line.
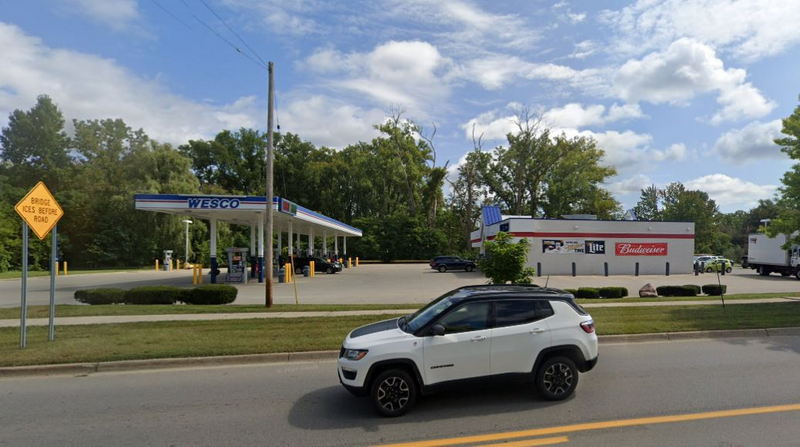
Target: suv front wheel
column 393, row 392
column 557, row 378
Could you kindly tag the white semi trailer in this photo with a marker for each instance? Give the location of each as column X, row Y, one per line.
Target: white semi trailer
column 766, row 255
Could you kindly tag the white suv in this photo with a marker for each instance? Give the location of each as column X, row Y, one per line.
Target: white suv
column 468, row 333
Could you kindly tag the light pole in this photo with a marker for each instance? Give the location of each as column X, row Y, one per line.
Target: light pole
column 186, row 251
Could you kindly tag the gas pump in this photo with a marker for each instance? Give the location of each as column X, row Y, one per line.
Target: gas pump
column 237, row 265
column 167, row 260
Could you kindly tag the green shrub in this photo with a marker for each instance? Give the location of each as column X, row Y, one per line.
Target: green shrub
column 100, row 296
column 154, row 295
column 210, row 294
column 677, row 291
column 696, row 288
column 572, row 291
column 505, row 260
column 715, row 289
column 587, row 292
column 613, row 292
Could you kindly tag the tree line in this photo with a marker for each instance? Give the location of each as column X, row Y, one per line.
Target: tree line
column 392, row 187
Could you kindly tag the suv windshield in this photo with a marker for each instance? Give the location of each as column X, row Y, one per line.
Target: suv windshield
column 412, row 323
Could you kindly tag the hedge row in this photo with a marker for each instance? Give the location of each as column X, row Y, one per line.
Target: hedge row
column 691, row 290
column 621, row 292
column 601, row 292
column 208, row 294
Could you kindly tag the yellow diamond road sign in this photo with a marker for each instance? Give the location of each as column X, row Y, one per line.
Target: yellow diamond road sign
column 40, row 210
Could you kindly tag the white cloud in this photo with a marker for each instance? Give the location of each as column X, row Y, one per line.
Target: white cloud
column 409, row 74
column 584, row 48
column 577, row 116
column 630, row 185
column 117, row 14
column 731, row 192
column 623, row 149
column 752, row 142
column 491, row 125
column 685, row 69
column 327, row 122
column 497, row 70
column 464, row 26
column 675, row 152
column 282, row 17
column 576, row 17
column 748, row 29
column 90, row 87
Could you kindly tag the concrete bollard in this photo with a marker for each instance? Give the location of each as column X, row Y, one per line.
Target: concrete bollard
column 356, row 261
column 156, row 264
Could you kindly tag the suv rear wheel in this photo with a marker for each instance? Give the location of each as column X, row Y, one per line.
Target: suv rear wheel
column 442, row 268
column 393, row 392
column 469, row 268
column 557, row 378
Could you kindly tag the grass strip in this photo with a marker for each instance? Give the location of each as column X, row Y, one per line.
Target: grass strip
column 109, row 342
column 735, row 296
column 15, row 274
column 80, row 310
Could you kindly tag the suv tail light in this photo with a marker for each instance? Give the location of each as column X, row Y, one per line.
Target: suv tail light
column 588, row 326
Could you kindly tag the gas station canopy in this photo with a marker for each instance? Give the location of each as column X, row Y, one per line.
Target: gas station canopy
column 245, row 210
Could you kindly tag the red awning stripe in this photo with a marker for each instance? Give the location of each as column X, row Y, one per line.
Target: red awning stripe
column 540, row 234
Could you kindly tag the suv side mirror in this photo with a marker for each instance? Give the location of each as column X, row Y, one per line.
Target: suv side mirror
column 437, row 329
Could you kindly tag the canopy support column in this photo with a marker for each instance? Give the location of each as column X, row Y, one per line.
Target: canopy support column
column 261, row 247
column 213, row 251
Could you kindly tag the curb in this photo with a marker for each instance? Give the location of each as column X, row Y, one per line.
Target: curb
column 283, row 357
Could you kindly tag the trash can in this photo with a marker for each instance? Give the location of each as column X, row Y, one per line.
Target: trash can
column 306, row 271
column 281, row 275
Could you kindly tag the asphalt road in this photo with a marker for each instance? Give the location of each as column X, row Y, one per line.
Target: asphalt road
column 372, row 283
column 302, row 404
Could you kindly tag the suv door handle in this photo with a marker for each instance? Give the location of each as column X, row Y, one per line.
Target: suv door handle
column 478, row 338
column 536, row 330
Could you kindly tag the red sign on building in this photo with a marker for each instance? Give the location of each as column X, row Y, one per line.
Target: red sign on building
column 640, row 249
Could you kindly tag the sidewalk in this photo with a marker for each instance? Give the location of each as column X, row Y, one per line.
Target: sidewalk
column 113, row 319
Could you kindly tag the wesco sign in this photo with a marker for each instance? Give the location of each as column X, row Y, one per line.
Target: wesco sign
column 200, row 202
column 640, row 249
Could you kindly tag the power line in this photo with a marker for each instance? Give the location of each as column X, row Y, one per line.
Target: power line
column 233, row 32
column 161, row 7
column 221, row 37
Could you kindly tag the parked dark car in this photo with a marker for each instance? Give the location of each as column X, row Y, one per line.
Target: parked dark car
column 320, row 265
column 445, row 263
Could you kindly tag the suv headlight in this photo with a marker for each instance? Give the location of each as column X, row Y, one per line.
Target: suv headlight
column 355, row 354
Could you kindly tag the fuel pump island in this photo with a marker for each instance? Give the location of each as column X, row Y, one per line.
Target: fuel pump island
column 294, row 226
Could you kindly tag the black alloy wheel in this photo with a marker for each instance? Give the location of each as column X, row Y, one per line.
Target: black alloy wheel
column 709, row 270
column 469, row 268
column 557, row 378
column 728, row 269
column 329, row 270
column 393, row 393
column 442, row 268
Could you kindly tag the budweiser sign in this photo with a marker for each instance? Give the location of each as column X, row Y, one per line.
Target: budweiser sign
column 641, row 249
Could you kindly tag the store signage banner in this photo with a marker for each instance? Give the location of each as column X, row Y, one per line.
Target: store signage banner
column 640, row 249
column 595, row 247
column 562, row 246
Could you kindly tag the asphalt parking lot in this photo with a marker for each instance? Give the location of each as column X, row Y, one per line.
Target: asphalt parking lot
column 375, row 283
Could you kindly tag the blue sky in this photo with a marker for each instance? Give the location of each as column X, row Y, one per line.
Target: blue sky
column 673, row 90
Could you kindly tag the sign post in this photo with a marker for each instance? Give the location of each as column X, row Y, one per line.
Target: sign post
column 41, row 212
column 23, row 300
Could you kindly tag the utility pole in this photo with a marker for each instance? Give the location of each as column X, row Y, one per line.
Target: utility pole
column 268, row 238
